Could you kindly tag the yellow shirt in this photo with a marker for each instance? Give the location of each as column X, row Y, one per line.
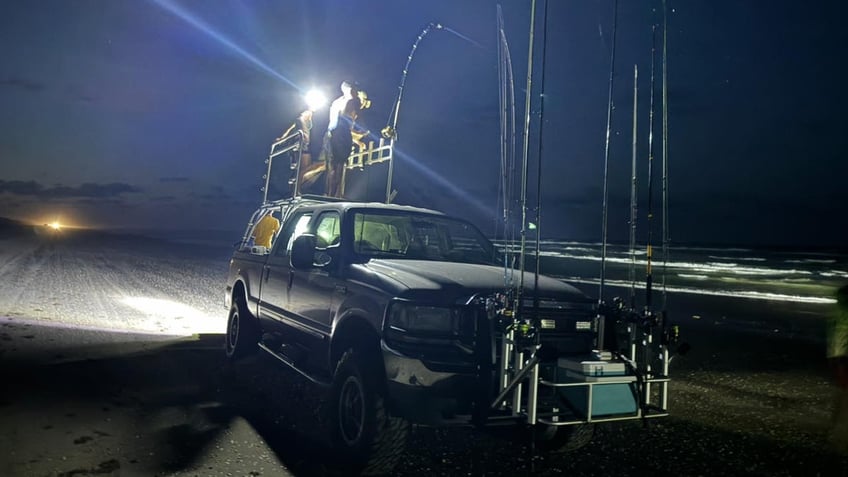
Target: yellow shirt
column 265, row 229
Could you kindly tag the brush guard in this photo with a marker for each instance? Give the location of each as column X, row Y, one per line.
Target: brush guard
column 539, row 385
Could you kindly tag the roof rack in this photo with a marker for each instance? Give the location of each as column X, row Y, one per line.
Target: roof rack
column 362, row 156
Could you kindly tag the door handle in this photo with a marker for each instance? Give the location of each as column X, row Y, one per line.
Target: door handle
column 267, row 273
column 291, row 279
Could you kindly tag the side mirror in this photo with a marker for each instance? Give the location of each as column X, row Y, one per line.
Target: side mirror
column 303, row 252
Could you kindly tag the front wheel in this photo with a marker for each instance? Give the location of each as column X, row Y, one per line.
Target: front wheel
column 563, row 439
column 242, row 331
column 362, row 430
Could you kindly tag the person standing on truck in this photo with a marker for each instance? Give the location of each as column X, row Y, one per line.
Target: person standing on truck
column 303, row 123
column 338, row 140
column 264, row 231
column 837, row 354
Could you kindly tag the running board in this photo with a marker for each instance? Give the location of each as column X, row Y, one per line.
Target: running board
column 285, row 360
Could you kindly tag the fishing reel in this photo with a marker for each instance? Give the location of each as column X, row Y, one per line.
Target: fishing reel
column 619, row 312
column 364, row 102
column 504, row 320
column 388, row 132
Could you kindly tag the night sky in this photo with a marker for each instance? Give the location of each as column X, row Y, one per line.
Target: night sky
column 158, row 114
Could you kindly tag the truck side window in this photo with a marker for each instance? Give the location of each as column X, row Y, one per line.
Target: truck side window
column 328, row 230
column 291, row 230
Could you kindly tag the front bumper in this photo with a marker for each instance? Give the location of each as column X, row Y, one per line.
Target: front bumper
column 425, row 392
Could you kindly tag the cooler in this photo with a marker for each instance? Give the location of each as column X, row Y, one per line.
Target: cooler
column 612, row 391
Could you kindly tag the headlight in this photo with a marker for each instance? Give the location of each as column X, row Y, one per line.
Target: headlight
column 417, row 325
column 421, row 319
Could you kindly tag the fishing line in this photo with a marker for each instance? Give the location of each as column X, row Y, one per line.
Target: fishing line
column 469, row 40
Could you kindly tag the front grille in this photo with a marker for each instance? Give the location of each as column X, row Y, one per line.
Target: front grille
column 570, row 330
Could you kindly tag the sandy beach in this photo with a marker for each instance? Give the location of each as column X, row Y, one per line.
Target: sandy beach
column 110, row 349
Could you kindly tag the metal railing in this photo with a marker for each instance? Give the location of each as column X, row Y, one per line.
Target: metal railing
column 373, row 153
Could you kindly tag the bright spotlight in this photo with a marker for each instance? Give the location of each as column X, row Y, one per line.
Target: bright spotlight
column 315, row 99
column 55, row 225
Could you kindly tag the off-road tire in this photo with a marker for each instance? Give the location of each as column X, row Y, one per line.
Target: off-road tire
column 368, row 439
column 563, row 439
column 242, row 334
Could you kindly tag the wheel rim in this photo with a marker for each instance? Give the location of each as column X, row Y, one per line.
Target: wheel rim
column 351, row 410
column 233, row 332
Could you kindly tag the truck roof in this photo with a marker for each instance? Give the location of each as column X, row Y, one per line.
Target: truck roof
column 344, row 204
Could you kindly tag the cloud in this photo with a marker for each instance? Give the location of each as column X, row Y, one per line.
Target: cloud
column 21, row 187
column 164, row 198
column 87, row 190
column 29, row 85
column 214, row 193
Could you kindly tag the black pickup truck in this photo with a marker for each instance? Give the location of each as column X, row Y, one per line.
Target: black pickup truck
column 391, row 307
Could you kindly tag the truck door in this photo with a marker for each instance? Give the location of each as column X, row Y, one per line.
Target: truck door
column 274, row 306
column 311, row 291
column 299, row 300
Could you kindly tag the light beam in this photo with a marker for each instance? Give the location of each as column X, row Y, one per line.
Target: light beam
column 199, row 24
column 464, row 196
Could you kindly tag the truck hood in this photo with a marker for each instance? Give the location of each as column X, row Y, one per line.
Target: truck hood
column 451, row 281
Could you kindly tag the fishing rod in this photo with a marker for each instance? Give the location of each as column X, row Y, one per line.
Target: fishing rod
column 539, row 167
column 507, row 143
column 524, row 160
column 665, row 157
column 390, row 131
column 649, row 252
column 606, row 157
column 633, row 183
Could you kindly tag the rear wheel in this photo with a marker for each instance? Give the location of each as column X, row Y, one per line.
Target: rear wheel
column 370, row 440
column 242, row 334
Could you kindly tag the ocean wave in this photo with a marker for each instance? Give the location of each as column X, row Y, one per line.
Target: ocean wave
column 823, row 261
column 744, row 259
column 704, row 267
column 748, row 294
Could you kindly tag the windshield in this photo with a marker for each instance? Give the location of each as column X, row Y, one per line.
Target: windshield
column 405, row 235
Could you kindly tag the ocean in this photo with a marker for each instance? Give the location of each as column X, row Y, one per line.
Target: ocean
column 759, row 275
column 773, row 275
column 758, row 291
